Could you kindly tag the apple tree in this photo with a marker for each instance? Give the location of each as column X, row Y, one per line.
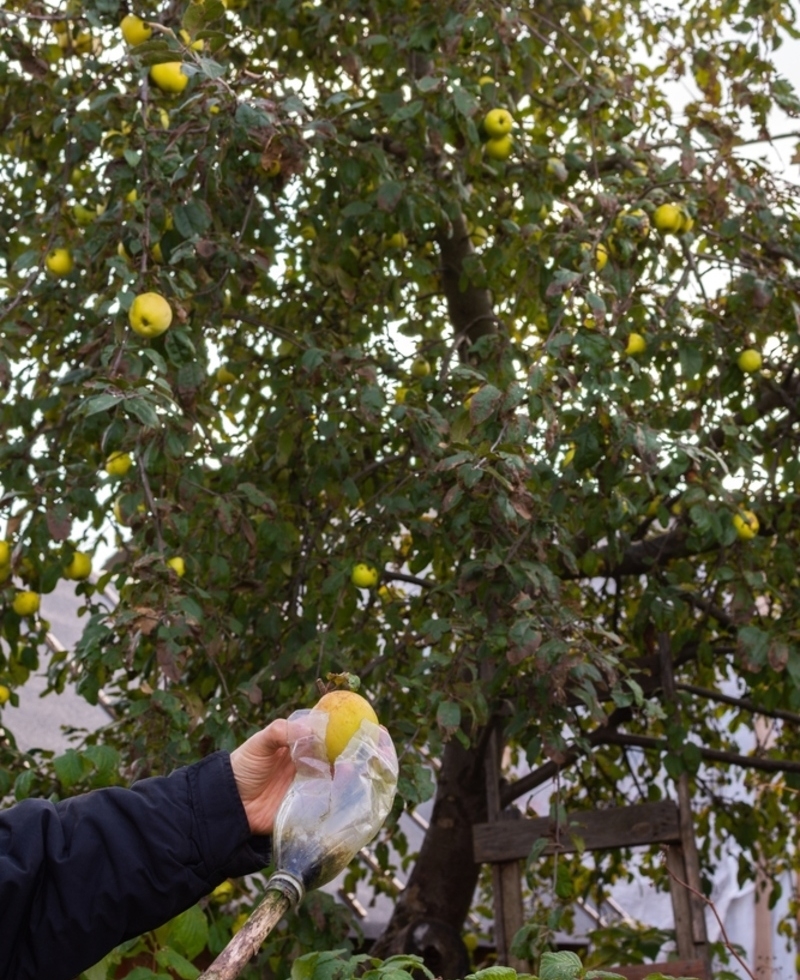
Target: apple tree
column 498, row 301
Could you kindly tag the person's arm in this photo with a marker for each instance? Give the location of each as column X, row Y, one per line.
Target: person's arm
column 79, row 877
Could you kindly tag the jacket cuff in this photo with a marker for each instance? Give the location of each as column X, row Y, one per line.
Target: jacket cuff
column 229, row 849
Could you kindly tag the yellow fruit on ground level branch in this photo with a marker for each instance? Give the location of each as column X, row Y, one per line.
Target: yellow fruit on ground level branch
column 150, row 315
column 26, row 603
column 746, row 524
column 59, row 262
column 79, row 568
column 749, row 360
column 135, row 30
column 5, row 694
column 222, row 893
column 346, row 710
column 498, row 122
column 118, row 464
column 668, row 219
column 364, row 576
column 169, row 77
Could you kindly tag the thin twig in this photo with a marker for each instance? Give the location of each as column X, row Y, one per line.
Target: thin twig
column 728, row 944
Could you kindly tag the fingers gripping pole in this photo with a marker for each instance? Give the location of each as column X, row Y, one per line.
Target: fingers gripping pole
column 284, row 892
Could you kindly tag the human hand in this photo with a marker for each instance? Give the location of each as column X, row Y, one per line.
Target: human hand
column 264, row 770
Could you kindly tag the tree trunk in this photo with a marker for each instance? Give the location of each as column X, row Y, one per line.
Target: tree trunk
column 441, row 885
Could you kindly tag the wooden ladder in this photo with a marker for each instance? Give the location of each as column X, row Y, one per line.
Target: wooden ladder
column 503, row 843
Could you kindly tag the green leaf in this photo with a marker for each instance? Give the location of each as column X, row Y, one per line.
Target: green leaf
column 448, row 716
column 484, row 403
column 493, row 973
column 172, row 960
column 69, row 768
column 188, row 932
column 390, row 194
column 563, row 965
column 142, row 410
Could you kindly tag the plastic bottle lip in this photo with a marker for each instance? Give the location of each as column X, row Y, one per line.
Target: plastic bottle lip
column 289, row 885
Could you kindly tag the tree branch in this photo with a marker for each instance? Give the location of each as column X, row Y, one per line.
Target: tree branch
column 710, row 755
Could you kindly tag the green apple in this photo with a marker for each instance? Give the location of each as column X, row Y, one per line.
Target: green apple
column 498, row 148
column 150, row 315
column 749, row 360
column 420, row 367
column 364, row 576
column 497, row 123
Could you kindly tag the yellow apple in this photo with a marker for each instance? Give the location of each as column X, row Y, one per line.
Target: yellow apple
column 478, row 235
column 600, row 254
column 636, row 344
column 346, row 710
column 222, row 893
column 397, row 240
column 308, row 233
column 498, row 148
column 186, row 37
column 135, row 30
column 749, row 360
column 168, row 77
column 364, row 576
column 5, row 694
column 79, row 568
column 225, row 376
column 26, row 603
column 497, row 123
column 150, row 315
column 400, row 395
column 420, row 367
column 178, row 565
column 83, row 215
column 485, row 80
column 5, row 552
column 668, row 219
column 118, row 464
column 746, row 524
column 59, row 262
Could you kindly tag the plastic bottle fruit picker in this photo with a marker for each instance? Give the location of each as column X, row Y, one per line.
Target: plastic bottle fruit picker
column 342, row 792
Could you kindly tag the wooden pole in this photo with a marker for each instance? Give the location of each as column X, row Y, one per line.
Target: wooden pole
column 283, row 893
column 688, row 843
column 509, row 913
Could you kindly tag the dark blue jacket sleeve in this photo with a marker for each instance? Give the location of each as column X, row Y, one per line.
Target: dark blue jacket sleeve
column 80, row 876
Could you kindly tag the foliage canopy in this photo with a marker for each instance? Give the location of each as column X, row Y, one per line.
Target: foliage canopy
column 389, row 346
